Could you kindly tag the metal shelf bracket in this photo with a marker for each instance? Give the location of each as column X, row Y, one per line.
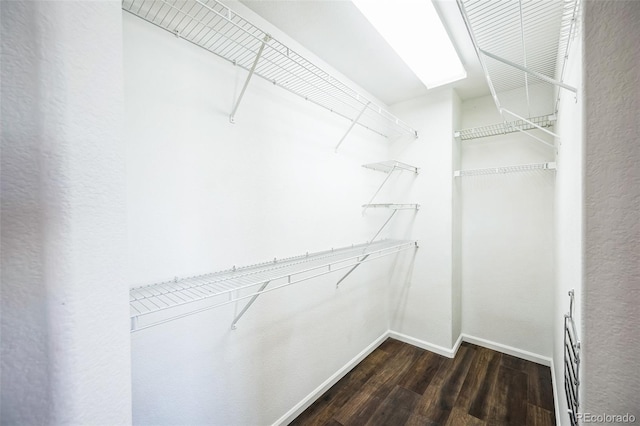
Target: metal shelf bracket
column 353, row 123
column 248, row 305
column 266, row 40
column 395, row 210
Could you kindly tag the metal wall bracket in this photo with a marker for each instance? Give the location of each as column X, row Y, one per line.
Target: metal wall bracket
column 266, row 40
column 387, row 167
column 249, row 303
column 353, row 123
column 395, row 208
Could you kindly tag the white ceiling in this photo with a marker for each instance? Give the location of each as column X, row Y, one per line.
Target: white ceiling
column 340, row 35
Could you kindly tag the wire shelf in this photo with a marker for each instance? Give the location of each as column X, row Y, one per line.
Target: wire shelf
column 521, row 44
column 504, row 128
column 390, row 166
column 392, row 206
column 216, row 28
column 159, row 303
column 506, row 169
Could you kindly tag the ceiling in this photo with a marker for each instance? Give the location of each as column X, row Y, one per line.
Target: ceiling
column 336, row 32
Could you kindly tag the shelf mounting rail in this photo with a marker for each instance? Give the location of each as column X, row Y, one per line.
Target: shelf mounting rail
column 211, row 25
column 163, row 302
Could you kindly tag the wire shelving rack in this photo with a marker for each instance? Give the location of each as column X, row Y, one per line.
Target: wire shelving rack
column 214, row 27
column 506, row 169
column 506, row 127
column 156, row 304
column 521, row 44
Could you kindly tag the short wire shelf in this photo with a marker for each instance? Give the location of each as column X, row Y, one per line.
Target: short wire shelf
column 214, row 27
column 390, row 166
column 392, row 206
column 504, row 128
column 505, row 169
column 156, row 304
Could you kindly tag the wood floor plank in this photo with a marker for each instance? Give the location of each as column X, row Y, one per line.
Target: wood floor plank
column 395, row 409
column 481, row 404
column 440, row 396
column 460, row 417
column 472, row 389
column 537, row 416
column 514, row 363
column 418, row 420
column 419, row 375
column 540, row 386
column 378, row 387
column 509, row 399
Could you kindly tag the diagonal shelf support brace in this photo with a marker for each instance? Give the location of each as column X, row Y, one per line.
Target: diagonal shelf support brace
column 379, row 188
column 266, row 39
column 529, row 71
column 248, row 305
column 353, row 123
column 365, row 257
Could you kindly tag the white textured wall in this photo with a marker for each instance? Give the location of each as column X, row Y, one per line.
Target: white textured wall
column 507, row 235
column 421, row 302
column 569, row 208
column 204, row 195
column 612, row 207
column 65, row 344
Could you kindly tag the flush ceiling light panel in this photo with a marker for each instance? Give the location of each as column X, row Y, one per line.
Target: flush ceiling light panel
column 414, row 30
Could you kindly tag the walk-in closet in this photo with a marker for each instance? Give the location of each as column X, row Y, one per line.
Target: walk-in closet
column 345, row 212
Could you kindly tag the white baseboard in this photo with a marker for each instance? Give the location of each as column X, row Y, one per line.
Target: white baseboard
column 290, row 415
column 440, row 350
column 509, row 350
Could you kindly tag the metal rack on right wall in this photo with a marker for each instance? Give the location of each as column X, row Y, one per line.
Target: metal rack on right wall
column 530, row 66
column 571, row 363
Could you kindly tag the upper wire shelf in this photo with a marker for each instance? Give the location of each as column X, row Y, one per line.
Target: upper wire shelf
column 216, row 28
column 523, row 49
column 390, row 166
column 506, row 169
column 506, row 127
column 159, row 303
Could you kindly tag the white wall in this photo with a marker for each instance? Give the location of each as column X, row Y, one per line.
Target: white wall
column 204, row 195
column 507, row 235
column 421, row 303
column 612, row 208
column 569, row 209
column 65, row 340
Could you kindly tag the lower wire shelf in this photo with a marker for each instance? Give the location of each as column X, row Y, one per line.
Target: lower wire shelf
column 163, row 302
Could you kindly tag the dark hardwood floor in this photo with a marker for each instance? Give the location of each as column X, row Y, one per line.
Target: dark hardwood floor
column 400, row 384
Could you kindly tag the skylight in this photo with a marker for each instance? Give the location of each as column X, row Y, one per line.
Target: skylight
column 414, row 30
